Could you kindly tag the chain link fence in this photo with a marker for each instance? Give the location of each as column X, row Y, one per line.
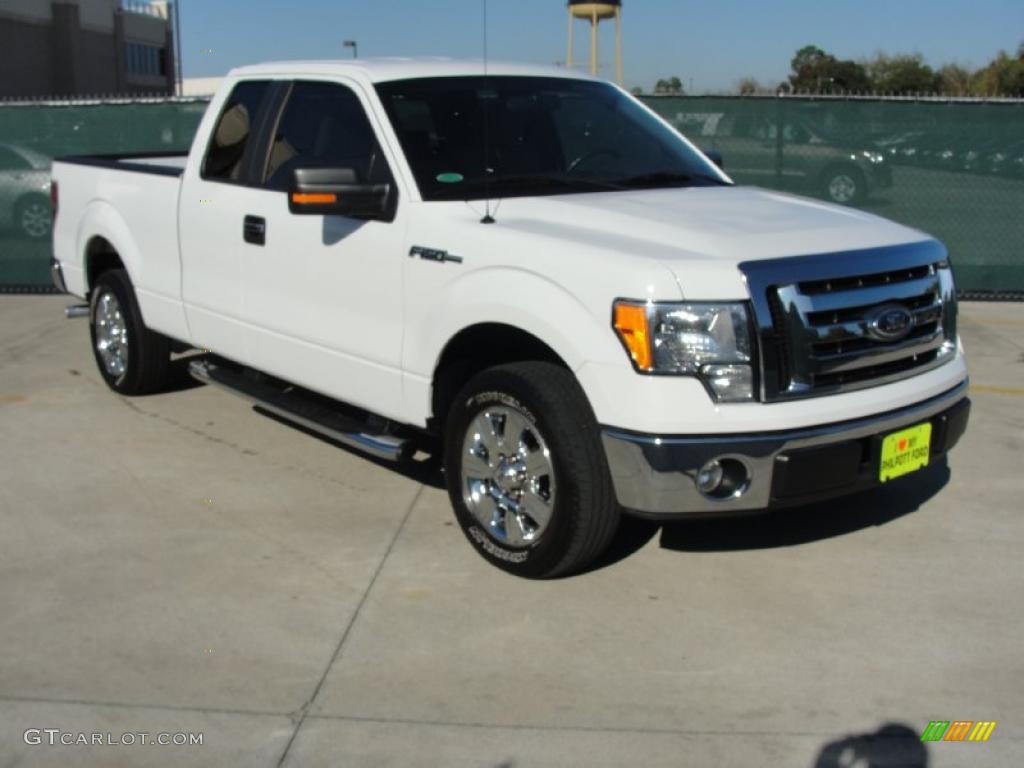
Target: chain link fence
column 953, row 168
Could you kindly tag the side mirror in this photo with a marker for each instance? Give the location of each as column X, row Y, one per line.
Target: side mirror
column 715, row 157
column 336, row 192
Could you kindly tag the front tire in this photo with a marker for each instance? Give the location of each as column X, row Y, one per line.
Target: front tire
column 526, row 472
column 132, row 359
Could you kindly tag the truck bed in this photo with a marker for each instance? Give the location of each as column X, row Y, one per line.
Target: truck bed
column 162, row 164
column 130, row 199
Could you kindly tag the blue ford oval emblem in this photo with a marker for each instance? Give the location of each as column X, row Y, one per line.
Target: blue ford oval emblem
column 891, row 322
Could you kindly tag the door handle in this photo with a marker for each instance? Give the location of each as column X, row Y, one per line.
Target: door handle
column 254, row 230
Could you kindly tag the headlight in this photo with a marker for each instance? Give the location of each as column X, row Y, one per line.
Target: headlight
column 873, row 157
column 710, row 341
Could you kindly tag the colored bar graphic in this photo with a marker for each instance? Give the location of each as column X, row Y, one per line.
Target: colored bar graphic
column 982, row 730
column 935, row 730
column 958, row 730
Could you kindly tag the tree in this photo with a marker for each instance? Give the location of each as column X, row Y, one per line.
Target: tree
column 817, row 71
column 672, row 85
column 848, row 76
column 901, row 74
column 636, row 90
column 748, row 86
column 1004, row 76
column 954, row 80
column 808, row 58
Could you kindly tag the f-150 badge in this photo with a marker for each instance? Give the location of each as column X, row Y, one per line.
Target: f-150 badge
column 432, row 254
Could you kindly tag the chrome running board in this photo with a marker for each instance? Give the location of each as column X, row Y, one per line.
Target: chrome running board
column 301, row 409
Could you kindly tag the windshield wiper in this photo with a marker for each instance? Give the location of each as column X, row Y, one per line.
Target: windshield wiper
column 666, row 178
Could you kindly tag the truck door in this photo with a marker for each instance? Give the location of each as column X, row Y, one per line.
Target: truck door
column 321, row 295
column 216, row 190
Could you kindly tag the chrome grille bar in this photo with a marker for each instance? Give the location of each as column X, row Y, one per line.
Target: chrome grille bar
column 868, row 297
column 819, row 318
column 851, row 361
column 838, row 332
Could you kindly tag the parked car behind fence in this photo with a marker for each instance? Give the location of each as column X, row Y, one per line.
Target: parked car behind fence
column 24, row 192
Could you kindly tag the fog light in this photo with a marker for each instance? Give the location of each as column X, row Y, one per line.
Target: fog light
column 723, row 478
column 709, row 478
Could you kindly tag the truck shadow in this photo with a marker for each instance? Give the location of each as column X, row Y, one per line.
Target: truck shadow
column 784, row 527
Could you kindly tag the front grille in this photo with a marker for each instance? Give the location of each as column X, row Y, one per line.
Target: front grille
column 831, row 285
column 840, row 329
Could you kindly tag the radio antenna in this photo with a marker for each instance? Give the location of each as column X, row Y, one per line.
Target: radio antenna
column 487, row 219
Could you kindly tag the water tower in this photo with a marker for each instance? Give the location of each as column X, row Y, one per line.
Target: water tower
column 595, row 13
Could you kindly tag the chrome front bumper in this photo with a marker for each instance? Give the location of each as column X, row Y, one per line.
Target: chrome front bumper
column 655, row 476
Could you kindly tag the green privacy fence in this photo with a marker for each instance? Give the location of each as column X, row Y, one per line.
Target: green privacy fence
column 32, row 134
column 952, row 168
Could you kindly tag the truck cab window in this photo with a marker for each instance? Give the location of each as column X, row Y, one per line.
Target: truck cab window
column 324, row 126
column 230, row 137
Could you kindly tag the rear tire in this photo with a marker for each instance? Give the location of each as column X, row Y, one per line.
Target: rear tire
column 526, row 472
column 132, row 359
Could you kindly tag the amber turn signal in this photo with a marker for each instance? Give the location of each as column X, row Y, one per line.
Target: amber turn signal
column 631, row 324
column 313, row 198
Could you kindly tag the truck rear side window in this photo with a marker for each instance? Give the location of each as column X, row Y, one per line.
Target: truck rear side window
column 230, row 138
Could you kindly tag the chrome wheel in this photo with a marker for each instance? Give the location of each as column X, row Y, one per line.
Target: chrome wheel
column 35, row 219
column 111, row 334
column 842, row 188
column 508, row 477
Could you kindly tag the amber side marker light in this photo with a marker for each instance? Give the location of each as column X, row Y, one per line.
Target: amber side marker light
column 632, row 326
column 313, row 198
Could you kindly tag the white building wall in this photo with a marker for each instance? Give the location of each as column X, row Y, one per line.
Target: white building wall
column 200, row 86
column 139, row 28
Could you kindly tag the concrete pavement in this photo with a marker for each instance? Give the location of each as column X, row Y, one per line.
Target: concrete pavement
column 178, row 563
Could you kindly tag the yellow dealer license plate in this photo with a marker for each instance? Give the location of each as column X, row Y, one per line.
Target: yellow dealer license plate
column 905, row 451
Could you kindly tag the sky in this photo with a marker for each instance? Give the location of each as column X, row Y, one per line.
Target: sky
column 708, row 44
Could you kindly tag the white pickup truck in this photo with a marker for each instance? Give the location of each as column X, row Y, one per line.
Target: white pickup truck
column 530, row 270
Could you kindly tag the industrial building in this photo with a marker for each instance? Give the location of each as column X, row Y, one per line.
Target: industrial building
column 85, row 47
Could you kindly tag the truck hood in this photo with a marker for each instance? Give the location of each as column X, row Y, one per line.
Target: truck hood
column 702, row 231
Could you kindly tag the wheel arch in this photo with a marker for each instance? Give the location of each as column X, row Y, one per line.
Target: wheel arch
column 35, row 194
column 105, row 242
column 487, row 306
column 100, row 256
column 476, row 348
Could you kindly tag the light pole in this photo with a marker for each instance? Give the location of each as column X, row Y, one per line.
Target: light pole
column 354, row 46
column 179, row 68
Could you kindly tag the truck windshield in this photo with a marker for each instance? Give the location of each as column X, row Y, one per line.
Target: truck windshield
column 467, row 138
